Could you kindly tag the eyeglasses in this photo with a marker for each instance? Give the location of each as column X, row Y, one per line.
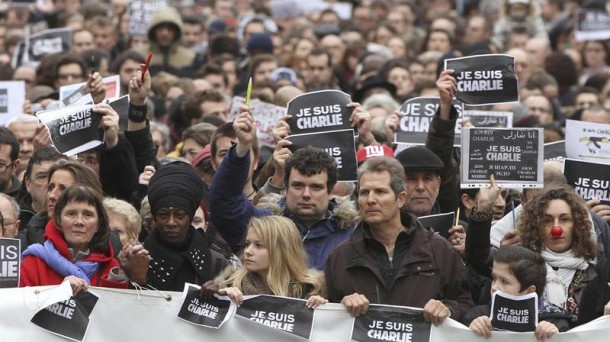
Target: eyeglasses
column 4, row 167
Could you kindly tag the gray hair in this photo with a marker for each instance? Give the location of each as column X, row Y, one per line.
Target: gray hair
column 21, row 119
column 13, row 202
column 392, row 166
column 164, row 130
column 381, row 100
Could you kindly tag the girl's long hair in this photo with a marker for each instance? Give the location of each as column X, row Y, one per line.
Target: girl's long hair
column 288, row 273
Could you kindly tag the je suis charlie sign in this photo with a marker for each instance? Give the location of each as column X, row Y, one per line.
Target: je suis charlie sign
column 485, row 79
column 513, row 155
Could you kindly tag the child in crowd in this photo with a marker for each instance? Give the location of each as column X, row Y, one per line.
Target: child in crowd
column 275, row 263
column 519, row 271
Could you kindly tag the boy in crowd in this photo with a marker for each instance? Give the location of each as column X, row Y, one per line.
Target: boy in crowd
column 519, row 271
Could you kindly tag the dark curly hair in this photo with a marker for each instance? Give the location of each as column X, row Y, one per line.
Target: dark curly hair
column 310, row 161
column 531, row 226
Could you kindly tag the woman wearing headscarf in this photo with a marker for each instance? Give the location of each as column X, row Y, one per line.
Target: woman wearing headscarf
column 180, row 253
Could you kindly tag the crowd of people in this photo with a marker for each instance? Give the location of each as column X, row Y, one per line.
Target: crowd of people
column 186, row 193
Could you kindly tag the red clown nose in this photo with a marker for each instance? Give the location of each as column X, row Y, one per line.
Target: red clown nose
column 556, row 232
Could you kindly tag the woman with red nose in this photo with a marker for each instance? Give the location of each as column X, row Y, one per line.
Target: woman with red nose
column 557, row 225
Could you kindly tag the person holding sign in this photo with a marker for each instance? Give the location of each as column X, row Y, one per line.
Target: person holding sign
column 71, row 69
column 77, row 247
column 391, row 258
column 518, row 271
column 555, row 224
column 310, row 174
column 275, row 263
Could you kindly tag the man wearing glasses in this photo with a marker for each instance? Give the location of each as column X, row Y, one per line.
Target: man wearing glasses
column 9, row 162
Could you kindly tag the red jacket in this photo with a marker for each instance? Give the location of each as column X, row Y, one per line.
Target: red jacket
column 35, row 272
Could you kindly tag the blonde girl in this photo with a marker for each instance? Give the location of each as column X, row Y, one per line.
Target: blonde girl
column 274, row 263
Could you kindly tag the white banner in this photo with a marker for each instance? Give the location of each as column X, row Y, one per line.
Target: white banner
column 123, row 315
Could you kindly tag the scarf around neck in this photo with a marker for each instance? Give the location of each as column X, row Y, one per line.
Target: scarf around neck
column 62, row 266
column 558, row 281
column 253, row 285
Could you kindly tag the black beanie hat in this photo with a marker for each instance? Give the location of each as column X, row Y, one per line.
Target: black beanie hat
column 175, row 185
column 419, row 158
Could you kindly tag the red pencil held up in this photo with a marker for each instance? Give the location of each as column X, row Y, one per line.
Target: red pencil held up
column 146, row 65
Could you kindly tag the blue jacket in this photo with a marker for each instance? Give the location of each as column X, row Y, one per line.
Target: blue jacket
column 230, row 212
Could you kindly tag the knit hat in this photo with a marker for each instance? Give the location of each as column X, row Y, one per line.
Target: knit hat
column 374, row 151
column 419, row 158
column 175, row 185
column 260, row 42
column 280, row 74
column 217, row 26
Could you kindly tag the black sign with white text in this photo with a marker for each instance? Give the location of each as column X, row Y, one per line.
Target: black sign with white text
column 590, row 180
column 69, row 319
column 319, row 111
column 512, row 155
column 10, row 260
column 514, row 313
column 416, row 116
column 288, row 315
column 592, row 25
column 209, row 312
column 391, row 323
column 485, row 79
column 52, row 41
column 73, row 129
column 338, row 144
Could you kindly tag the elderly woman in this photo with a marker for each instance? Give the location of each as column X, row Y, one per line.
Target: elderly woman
column 77, row 246
column 124, row 219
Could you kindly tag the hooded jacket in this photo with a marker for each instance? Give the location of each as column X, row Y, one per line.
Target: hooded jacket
column 424, row 267
column 36, row 272
column 231, row 212
column 176, row 59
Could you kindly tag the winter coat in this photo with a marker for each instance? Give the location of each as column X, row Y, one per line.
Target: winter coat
column 230, row 212
column 36, row 272
column 426, row 268
column 171, row 267
column 176, row 59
